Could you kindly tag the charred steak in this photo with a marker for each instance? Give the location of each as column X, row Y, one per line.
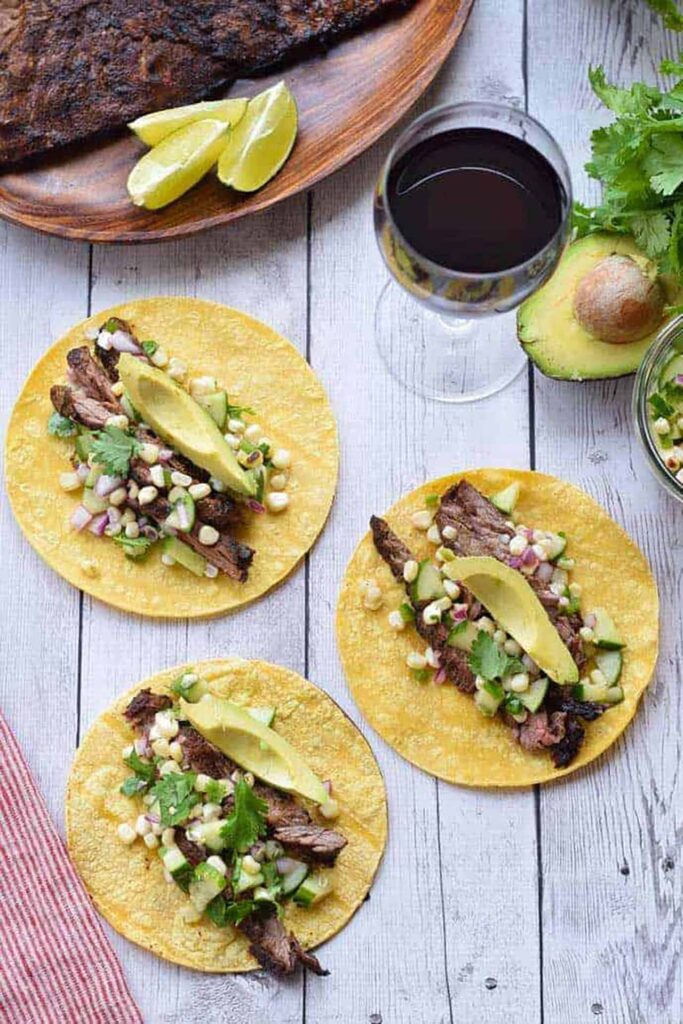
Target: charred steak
column 79, row 68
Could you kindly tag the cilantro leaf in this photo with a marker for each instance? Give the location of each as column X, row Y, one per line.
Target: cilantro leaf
column 61, row 426
column 215, row 791
column 224, row 912
column 660, row 406
column 176, row 796
column 113, row 449
column 133, row 785
column 247, row 821
column 235, row 412
column 407, row 612
column 144, row 774
column 149, row 347
column 489, row 661
column 664, row 163
column 671, row 15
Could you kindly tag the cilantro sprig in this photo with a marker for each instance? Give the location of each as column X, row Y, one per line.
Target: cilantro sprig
column 113, row 449
column 489, row 661
column 143, row 777
column 224, row 912
column 639, row 160
column 176, row 795
column 247, row 823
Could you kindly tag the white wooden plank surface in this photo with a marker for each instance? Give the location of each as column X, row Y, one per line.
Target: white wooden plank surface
column 612, row 940
column 451, row 933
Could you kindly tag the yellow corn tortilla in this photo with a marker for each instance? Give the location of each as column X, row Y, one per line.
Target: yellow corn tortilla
column 260, row 369
column 438, row 728
column 127, row 883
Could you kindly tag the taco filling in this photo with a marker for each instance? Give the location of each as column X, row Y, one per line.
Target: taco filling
column 161, row 461
column 494, row 586
column 239, row 847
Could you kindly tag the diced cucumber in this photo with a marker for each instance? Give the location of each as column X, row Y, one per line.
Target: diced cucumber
column 93, row 476
column 208, row 833
column 261, row 895
column 463, row 635
column 264, row 715
column 535, row 695
column 672, row 368
column 313, row 889
column 206, row 884
column 557, row 543
column 188, row 689
column 610, row 664
column 216, row 404
column 242, row 881
column 183, row 515
column 605, row 631
column 292, row 881
column 428, row 585
column 489, row 698
column 185, row 556
column 93, row 502
column 506, row 499
column 129, row 409
column 83, row 445
column 177, row 865
column 598, row 694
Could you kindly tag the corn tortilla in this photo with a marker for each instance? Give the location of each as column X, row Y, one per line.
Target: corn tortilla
column 438, row 728
column 260, row 369
column 127, row 883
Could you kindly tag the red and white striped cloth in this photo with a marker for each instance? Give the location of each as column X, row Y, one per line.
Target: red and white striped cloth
column 56, row 964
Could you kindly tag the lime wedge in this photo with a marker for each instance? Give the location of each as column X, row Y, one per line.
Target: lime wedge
column 253, row 746
column 152, row 128
column 261, row 142
column 176, row 164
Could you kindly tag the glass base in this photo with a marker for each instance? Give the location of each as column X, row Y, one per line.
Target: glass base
column 444, row 359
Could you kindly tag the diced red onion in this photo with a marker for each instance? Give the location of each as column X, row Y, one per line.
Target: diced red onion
column 545, row 572
column 106, row 484
column 150, row 533
column 99, row 524
column 515, row 563
column 83, row 471
column 529, row 534
column 440, row 677
column 141, row 746
column 529, row 556
column 590, row 621
column 153, row 819
column 459, row 613
column 80, row 517
column 256, row 506
column 123, row 342
column 679, row 379
column 285, row 865
column 165, row 455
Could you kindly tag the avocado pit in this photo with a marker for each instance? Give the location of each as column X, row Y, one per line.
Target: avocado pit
column 617, row 302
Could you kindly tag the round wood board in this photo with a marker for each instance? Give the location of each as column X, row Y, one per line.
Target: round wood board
column 347, row 99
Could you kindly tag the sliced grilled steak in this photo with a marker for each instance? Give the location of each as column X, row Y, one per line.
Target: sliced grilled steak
column 73, row 403
column 560, row 698
column 481, row 529
column 202, row 757
column 217, row 510
column 274, row 949
column 541, row 730
column 395, row 553
column 311, row 842
column 193, row 853
column 84, row 373
column 59, row 81
column 283, row 810
column 144, row 706
column 177, row 462
column 564, row 752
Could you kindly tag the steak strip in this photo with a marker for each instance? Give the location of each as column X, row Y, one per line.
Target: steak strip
column 395, row 553
column 277, row 951
column 144, row 706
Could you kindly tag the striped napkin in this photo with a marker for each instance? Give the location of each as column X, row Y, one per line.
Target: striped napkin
column 56, row 964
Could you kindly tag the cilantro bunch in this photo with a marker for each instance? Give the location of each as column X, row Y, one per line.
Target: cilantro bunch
column 639, row 160
column 671, row 15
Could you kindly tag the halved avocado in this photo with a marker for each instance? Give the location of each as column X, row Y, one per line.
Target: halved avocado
column 548, row 328
column 507, row 596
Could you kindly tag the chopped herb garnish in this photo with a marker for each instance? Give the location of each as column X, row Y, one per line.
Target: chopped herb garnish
column 660, row 406
column 456, row 631
column 248, row 820
column 421, row 675
column 113, row 449
column 61, row 426
column 514, row 705
column 235, row 412
column 183, row 684
column 271, row 879
column 215, row 791
column 134, row 547
column 149, row 347
column 144, row 774
column 176, row 796
column 111, row 325
column 489, row 661
column 224, row 912
column 407, row 612
column 432, row 500
column 260, row 484
column 134, row 785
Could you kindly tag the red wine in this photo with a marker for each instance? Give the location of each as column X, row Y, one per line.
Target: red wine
column 475, row 200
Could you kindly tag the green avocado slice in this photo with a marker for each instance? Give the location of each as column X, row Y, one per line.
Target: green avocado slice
column 551, row 335
column 509, row 599
column 182, row 423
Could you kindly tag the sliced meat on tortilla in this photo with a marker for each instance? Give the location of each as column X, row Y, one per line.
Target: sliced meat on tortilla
column 275, row 949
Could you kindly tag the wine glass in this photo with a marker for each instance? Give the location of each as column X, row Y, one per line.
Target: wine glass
column 462, row 251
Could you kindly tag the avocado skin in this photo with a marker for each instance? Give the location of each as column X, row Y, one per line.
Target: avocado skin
column 553, row 338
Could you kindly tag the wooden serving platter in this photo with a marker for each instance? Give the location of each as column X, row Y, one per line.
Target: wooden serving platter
column 347, row 99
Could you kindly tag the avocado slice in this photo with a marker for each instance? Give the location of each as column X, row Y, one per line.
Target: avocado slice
column 254, row 746
column 552, row 336
column 182, row 423
column 509, row 599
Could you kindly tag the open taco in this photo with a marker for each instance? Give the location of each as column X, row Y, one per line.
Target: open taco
column 226, row 814
column 172, row 457
column 497, row 628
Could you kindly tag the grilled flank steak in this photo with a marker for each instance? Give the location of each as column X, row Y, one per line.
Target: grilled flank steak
column 77, row 69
